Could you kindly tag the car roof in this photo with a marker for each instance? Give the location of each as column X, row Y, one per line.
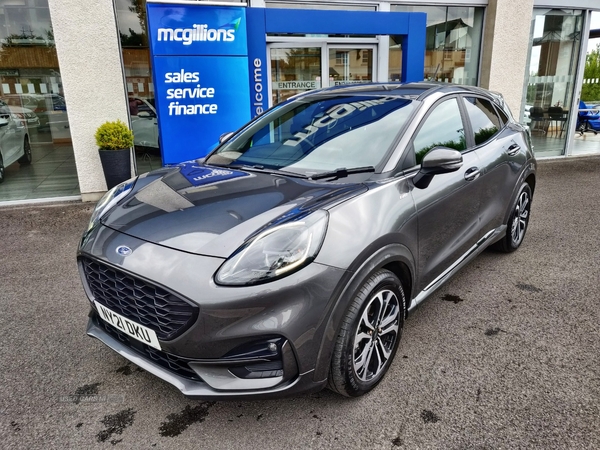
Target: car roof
column 406, row 90
column 413, row 90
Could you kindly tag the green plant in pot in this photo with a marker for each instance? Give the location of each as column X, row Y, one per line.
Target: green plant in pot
column 115, row 140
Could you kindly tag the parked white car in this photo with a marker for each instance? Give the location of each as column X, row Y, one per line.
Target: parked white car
column 38, row 110
column 26, row 116
column 14, row 141
column 144, row 124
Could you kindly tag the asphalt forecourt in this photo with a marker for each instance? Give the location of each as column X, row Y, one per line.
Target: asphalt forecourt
column 504, row 356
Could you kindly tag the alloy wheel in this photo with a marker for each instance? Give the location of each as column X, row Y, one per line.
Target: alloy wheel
column 521, row 216
column 376, row 335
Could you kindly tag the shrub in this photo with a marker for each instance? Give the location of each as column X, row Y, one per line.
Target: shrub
column 114, row 136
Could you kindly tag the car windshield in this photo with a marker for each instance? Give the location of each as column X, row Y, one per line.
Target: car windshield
column 314, row 135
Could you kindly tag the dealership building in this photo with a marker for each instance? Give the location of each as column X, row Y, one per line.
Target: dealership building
column 67, row 66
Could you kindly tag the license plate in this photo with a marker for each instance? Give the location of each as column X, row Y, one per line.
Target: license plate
column 129, row 327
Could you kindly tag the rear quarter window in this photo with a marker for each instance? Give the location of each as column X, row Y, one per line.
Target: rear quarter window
column 484, row 119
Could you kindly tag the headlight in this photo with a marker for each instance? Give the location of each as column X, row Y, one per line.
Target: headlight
column 110, row 199
column 275, row 252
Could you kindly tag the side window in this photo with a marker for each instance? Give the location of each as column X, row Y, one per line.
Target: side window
column 502, row 115
column 483, row 118
column 443, row 127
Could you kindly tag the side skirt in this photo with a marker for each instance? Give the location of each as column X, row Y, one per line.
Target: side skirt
column 490, row 237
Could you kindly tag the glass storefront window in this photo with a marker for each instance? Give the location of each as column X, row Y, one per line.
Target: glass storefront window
column 587, row 137
column 132, row 24
column 36, row 153
column 452, row 47
column 554, row 55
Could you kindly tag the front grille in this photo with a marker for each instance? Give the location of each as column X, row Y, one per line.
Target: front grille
column 165, row 313
column 170, row 362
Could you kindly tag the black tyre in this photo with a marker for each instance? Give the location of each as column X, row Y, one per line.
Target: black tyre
column 1, row 170
column 517, row 222
column 369, row 335
column 26, row 158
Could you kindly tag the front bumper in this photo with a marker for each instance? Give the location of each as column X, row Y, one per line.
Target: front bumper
column 302, row 383
column 292, row 312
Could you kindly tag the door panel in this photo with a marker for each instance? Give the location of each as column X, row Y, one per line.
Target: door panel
column 448, row 209
column 498, row 150
column 499, row 177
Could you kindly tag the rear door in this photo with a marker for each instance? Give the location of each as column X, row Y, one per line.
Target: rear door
column 448, row 209
column 501, row 153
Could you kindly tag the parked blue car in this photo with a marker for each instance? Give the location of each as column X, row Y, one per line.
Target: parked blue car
column 588, row 118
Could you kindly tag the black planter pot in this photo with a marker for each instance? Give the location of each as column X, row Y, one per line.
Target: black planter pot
column 116, row 165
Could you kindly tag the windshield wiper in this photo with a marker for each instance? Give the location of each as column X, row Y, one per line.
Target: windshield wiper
column 341, row 172
column 260, row 168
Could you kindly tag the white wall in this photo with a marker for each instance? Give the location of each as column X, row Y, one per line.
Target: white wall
column 505, row 47
column 87, row 44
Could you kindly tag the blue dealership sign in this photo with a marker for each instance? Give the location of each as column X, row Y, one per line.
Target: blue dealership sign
column 200, row 69
column 189, row 30
column 198, row 97
column 210, row 65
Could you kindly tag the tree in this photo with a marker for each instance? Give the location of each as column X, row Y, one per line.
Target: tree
column 590, row 92
column 135, row 39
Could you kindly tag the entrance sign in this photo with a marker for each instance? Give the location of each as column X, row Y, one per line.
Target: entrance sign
column 210, row 66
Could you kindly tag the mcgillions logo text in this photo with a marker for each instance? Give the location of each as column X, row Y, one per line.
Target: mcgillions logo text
column 195, row 34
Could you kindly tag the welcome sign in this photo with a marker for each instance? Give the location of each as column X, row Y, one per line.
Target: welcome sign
column 210, row 68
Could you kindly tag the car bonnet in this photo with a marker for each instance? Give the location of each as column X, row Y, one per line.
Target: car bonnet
column 211, row 210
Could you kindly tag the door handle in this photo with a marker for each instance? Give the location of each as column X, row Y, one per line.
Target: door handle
column 513, row 150
column 472, row 174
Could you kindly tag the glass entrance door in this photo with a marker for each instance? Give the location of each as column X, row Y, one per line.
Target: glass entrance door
column 350, row 65
column 294, row 70
column 297, row 68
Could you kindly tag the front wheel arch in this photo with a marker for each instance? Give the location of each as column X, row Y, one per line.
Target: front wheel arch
column 396, row 258
column 369, row 335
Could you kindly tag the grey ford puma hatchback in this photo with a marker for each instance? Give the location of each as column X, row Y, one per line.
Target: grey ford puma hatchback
column 288, row 259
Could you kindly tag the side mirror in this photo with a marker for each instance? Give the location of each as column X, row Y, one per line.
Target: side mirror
column 225, row 136
column 437, row 161
column 3, row 121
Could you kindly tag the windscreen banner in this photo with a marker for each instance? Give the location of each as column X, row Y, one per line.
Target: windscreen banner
column 200, row 68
